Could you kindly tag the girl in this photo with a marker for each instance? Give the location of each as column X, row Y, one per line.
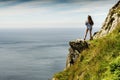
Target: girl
column 89, row 23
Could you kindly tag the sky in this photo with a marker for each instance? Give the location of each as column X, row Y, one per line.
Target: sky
column 52, row 13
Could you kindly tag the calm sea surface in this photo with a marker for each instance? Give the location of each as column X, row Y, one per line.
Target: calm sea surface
column 34, row 54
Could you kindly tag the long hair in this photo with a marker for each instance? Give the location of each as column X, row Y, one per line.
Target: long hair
column 90, row 20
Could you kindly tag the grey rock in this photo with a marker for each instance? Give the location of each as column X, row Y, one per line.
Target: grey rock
column 76, row 47
column 113, row 18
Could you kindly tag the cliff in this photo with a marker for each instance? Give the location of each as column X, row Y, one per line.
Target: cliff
column 98, row 59
column 113, row 18
column 76, row 47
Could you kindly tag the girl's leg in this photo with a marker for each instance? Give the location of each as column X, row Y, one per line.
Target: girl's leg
column 90, row 34
column 86, row 34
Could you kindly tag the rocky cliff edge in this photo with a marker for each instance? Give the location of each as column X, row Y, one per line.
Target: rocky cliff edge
column 77, row 46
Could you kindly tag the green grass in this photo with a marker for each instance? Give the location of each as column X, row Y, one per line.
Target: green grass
column 100, row 62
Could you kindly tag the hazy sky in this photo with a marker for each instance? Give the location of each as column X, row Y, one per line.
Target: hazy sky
column 52, row 13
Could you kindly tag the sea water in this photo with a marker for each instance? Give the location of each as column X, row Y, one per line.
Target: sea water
column 34, row 54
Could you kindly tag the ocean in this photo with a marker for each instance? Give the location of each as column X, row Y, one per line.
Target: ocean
column 34, row 54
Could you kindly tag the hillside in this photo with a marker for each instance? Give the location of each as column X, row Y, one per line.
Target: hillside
column 98, row 59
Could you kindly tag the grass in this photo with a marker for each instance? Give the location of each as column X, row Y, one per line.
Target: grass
column 100, row 62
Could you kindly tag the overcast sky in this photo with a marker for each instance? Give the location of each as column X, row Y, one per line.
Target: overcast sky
column 52, row 13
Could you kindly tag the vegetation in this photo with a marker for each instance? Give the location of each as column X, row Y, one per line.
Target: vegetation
column 100, row 62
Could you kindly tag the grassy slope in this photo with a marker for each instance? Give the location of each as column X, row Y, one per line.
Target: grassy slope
column 100, row 62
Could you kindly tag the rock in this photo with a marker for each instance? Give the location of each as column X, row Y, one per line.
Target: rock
column 116, row 5
column 111, row 21
column 76, row 47
column 54, row 79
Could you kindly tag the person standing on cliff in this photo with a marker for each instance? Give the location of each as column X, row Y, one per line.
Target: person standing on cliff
column 89, row 23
